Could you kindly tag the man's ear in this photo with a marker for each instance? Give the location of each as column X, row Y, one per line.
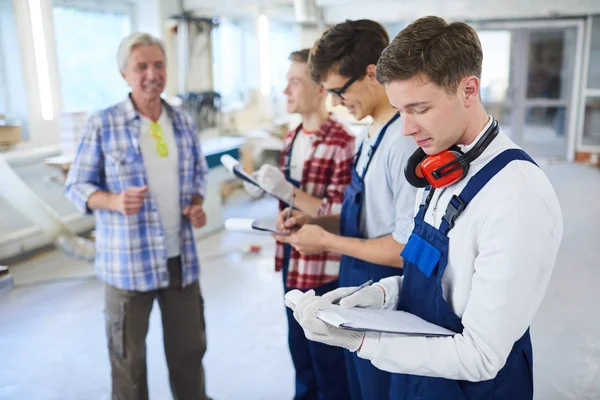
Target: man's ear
column 469, row 90
column 372, row 72
column 322, row 91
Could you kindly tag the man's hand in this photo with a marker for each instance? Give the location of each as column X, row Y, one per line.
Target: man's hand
column 368, row 297
column 306, row 312
column 273, row 181
column 310, row 239
column 295, row 222
column 129, row 201
column 196, row 214
column 254, row 191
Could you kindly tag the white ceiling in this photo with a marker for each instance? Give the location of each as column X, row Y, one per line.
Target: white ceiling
column 405, row 10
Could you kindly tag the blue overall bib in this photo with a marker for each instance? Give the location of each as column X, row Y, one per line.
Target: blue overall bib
column 425, row 260
column 366, row 382
column 320, row 369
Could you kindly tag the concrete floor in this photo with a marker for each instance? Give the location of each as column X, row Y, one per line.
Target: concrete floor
column 52, row 343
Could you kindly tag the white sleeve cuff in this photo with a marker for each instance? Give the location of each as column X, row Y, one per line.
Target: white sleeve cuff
column 392, row 287
column 369, row 345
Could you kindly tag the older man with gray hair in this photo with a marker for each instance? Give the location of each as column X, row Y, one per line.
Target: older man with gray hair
column 140, row 170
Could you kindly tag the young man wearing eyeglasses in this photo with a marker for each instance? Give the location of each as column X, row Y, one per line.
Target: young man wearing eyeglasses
column 140, row 170
column 376, row 215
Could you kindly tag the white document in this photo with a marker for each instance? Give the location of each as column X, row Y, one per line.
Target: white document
column 234, row 167
column 251, row 226
column 368, row 320
column 387, row 321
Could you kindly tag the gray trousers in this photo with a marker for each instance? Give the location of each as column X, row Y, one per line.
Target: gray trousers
column 127, row 318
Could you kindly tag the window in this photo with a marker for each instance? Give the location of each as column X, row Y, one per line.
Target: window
column 87, row 40
column 593, row 70
column 236, row 64
column 282, row 41
column 228, row 63
column 13, row 99
column 591, row 122
column 496, row 47
column 590, row 126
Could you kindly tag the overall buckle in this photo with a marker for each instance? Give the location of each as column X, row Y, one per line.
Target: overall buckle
column 454, row 209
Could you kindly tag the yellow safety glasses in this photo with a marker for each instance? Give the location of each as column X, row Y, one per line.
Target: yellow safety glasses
column 161, row 145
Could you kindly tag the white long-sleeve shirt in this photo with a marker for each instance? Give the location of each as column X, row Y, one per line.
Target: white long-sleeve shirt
column 502, row 252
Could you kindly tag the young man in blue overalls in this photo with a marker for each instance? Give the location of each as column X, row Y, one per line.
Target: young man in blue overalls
column 486, row 235
column 315, row 170
column 376, row 216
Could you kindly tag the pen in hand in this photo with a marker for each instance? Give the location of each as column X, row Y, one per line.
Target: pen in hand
column 289, row 213
column 364, row 285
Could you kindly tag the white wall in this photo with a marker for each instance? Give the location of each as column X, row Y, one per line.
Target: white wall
column 13, row 81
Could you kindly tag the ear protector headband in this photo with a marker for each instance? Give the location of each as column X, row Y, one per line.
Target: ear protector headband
column 447, row 167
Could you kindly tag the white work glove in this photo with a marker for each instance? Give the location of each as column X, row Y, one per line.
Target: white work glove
column 318, row 331
column 368, row 297
column 273, row 181
column 253, row 191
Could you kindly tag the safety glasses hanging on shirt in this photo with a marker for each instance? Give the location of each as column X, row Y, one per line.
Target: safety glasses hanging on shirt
column 161, row 145
column 340, row 92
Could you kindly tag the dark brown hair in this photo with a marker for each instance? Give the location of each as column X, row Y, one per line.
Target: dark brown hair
column 347, row 49
column 299, row 56
column 442, row 52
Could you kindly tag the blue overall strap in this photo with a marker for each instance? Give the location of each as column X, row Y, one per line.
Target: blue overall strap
column 287, row 153
column 458, row 203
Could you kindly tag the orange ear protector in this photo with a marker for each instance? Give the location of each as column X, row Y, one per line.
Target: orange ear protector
column 447, row 167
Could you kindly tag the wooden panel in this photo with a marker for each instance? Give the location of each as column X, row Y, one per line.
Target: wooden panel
column 587, row 157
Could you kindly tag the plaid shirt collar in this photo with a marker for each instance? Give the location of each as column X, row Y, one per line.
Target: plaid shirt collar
column 131, row 114
column 323, row 130
column 320, row 134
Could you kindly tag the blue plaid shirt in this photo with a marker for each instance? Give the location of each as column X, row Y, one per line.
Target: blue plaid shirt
column 130, row 249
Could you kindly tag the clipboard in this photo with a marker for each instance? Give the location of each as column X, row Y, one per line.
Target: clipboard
column 368, row 320
column 234, row 167
column 249, row 225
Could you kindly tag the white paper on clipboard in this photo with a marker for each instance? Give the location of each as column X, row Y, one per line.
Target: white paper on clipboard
column 234, row 167
column 386, row 321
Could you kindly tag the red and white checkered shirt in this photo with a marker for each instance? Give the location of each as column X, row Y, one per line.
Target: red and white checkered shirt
column 325, row 175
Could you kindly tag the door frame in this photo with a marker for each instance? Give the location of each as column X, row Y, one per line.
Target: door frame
column 574, row 114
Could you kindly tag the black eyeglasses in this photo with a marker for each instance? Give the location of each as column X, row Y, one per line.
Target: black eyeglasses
column 340, row 92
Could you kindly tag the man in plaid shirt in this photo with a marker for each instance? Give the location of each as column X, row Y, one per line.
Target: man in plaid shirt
column 315, row 169
column 141, row 171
